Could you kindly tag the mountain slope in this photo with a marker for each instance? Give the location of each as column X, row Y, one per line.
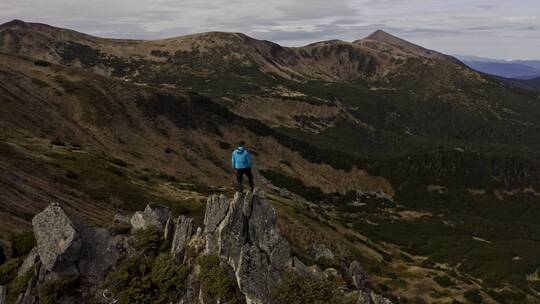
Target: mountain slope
column 415, row 160
column 109, row 120
column 410, row 96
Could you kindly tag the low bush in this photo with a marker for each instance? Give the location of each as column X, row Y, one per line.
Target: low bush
column 216, row 282
column 444, row 281
column 58, row 142
column 224, row 145
column 169, row 276
column 51, row 291
column 42, row 63
column 473, row 296
column 8, row 271
column 2, row 255
column 148, row 241
column 119, row 162
column 22, row 243
column 119, row 228
column 71, row 174
column 18, row 286
column 296, row 289
column 143, row 279
column 168, row 177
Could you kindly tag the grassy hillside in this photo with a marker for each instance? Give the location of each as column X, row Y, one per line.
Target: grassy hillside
column 419, row 167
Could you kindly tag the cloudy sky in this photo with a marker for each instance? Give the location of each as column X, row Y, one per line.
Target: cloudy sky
column 490, row 28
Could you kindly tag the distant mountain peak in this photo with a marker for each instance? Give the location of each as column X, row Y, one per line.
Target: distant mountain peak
column 14, row 22
column 380, row 35
column 385, row 37
column 381, row 40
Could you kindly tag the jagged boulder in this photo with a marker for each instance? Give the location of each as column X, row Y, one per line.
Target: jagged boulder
column 320, row 251
column 28, row 262
column 252, row 274
column 100, row 252
column 299, row 268
column 264, row 231
column 182, row 235
column 216, row 209
column 121, row 219
column 358, row 275
column 244, row 233
column 58, row 242
column 152, row 216
column 168, row 231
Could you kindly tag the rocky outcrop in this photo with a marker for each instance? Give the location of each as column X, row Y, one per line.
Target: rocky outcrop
column 58, row 242
column 244, row 233
column 182, row 234
column 120, row 219
column 216, row 209
column 358, row 275
column 152, row 216
column 369, row 297
column 320, row 251
column 168, row 231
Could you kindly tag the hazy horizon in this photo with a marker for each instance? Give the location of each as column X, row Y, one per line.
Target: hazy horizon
column 492, row 29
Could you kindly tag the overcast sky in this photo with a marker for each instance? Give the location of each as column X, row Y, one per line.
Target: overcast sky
column 489, row 28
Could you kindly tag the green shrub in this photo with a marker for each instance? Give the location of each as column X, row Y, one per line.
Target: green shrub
column 42, row 63
column 473, row 296
column 116, row 170
column 296, row 289
column 18, row 286
column 295, row 185
column 143, row 279
column 71, row 174
column 216, row 282
column 169, row 276
column 119, row 228
column 166, row 176
column 51, row 291
column 444, row 280
column 2, row 255
column 130, row 282
column 224, row 145
column 119, row 162
column 22, row 243
column 325, row 263
column 148, row 241
column 58, row 142
column 8, row 271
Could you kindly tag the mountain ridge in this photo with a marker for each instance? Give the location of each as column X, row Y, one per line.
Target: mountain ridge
column 396, row 156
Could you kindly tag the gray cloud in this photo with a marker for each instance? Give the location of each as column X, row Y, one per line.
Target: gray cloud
column 480, row 27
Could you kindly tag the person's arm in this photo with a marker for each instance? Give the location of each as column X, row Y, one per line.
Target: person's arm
column 232, row 162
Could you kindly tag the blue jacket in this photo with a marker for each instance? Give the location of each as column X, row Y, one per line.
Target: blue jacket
column 241, row 158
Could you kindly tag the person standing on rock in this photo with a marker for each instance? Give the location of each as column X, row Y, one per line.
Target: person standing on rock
column 241, row 163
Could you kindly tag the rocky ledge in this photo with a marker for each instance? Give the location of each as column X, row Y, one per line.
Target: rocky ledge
column 241, row 233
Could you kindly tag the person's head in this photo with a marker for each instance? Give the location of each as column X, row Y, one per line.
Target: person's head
column 242, row 143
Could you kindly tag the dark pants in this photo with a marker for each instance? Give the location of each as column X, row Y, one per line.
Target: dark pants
column 240, row 178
